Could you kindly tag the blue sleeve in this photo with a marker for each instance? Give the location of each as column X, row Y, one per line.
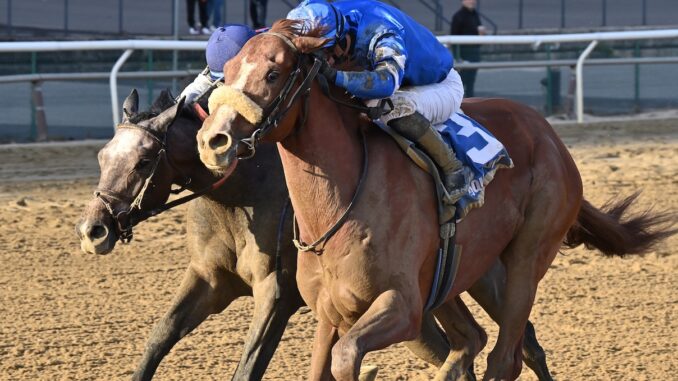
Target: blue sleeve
column 367, row 84
column 388, row 59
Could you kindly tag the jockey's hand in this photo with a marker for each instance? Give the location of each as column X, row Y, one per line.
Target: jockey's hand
column 195, row 89
column 328, row 72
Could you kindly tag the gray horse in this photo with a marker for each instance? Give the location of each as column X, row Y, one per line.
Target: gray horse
column 234, row 234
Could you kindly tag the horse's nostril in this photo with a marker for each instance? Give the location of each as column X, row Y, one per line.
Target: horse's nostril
column 97, row 231
column 219, row 141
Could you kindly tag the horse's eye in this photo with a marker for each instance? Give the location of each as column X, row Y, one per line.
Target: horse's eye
column 142, row 164
column 272, row 76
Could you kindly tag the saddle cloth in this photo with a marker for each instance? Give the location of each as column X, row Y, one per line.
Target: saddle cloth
column 480, row 151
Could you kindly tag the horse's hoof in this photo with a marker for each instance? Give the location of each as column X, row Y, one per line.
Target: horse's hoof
column 368, row 373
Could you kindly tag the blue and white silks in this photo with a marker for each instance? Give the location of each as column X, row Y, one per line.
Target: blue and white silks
column 480, row 151
column 390, row 49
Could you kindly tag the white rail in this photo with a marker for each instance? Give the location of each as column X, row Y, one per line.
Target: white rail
column 591, row 38
column 128, row 46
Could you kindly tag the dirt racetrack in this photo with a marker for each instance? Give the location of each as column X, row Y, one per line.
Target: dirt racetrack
column 70, row 316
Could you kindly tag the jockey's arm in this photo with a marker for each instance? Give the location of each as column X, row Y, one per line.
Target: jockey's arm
column 200, row 84
column 389, row 68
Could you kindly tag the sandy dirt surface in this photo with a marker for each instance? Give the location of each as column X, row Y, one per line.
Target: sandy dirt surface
column 67, row 315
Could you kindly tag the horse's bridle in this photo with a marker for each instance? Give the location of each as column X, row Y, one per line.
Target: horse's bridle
column 275, row 111
column 125, row 220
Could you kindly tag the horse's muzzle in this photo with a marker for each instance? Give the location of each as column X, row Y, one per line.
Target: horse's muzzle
column 95, row 237
column 216, row 149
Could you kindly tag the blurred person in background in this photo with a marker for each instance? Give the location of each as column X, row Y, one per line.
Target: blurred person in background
column 193, row 28
column 466, row 22
column 215, row 9
column 258, row 13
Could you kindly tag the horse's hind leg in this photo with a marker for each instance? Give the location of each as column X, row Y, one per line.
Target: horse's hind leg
column 488, row 291
column 195, row 299
column 467, row 339
column 505, row 360
column 389, row 320
column 534, row 355
column 267, row 327
column 526, row 258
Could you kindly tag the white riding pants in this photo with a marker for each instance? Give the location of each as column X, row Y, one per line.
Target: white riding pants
column 437, row 102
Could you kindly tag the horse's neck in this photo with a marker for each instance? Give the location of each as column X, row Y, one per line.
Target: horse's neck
column 255, row 182
column 322, row 163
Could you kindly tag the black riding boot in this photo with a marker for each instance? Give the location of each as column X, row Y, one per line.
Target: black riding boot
column 419, row 129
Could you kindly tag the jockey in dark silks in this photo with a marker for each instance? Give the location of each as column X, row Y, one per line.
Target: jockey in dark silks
column 399, row 59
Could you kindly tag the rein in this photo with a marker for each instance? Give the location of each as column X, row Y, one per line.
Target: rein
column 125, row 219
column 301, row 245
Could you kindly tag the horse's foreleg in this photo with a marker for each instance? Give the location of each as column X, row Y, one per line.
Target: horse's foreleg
column 390, row 319
column 488, row 291
column 431, row 345
column 326, row 336
column 268, row 325
column 194, row 301
column 467, row 339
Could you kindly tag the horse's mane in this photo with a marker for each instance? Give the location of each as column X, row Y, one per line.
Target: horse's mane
column 164, row 101
column 297, row 28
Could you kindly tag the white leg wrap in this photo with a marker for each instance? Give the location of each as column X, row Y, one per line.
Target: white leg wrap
column 437, row 102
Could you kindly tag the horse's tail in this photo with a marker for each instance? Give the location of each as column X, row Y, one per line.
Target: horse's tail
column 608, row 230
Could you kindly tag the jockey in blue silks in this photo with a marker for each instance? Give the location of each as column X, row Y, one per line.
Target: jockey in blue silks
column 224, row 43
column 397, row 58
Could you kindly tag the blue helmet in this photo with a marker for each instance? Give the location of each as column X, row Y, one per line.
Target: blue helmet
column 320, row 13
column 224, row 44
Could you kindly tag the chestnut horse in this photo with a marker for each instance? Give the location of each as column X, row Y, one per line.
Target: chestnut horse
column 232, row 233
column 368, row 283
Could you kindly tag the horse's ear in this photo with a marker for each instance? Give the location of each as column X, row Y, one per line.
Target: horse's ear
column 163, row 101
column 307, row 44
column 167, row 117
column 131, row 105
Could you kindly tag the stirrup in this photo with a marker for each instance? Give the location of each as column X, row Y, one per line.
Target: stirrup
column 456, row 191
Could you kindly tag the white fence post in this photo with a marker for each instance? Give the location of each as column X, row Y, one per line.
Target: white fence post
column 113, row 80
column 580, row 80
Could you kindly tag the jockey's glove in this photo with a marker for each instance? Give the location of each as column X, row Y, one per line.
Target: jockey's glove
column 195, row 89
column 328, row 72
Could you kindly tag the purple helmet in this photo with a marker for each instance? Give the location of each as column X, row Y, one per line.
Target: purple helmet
column 224, row 44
